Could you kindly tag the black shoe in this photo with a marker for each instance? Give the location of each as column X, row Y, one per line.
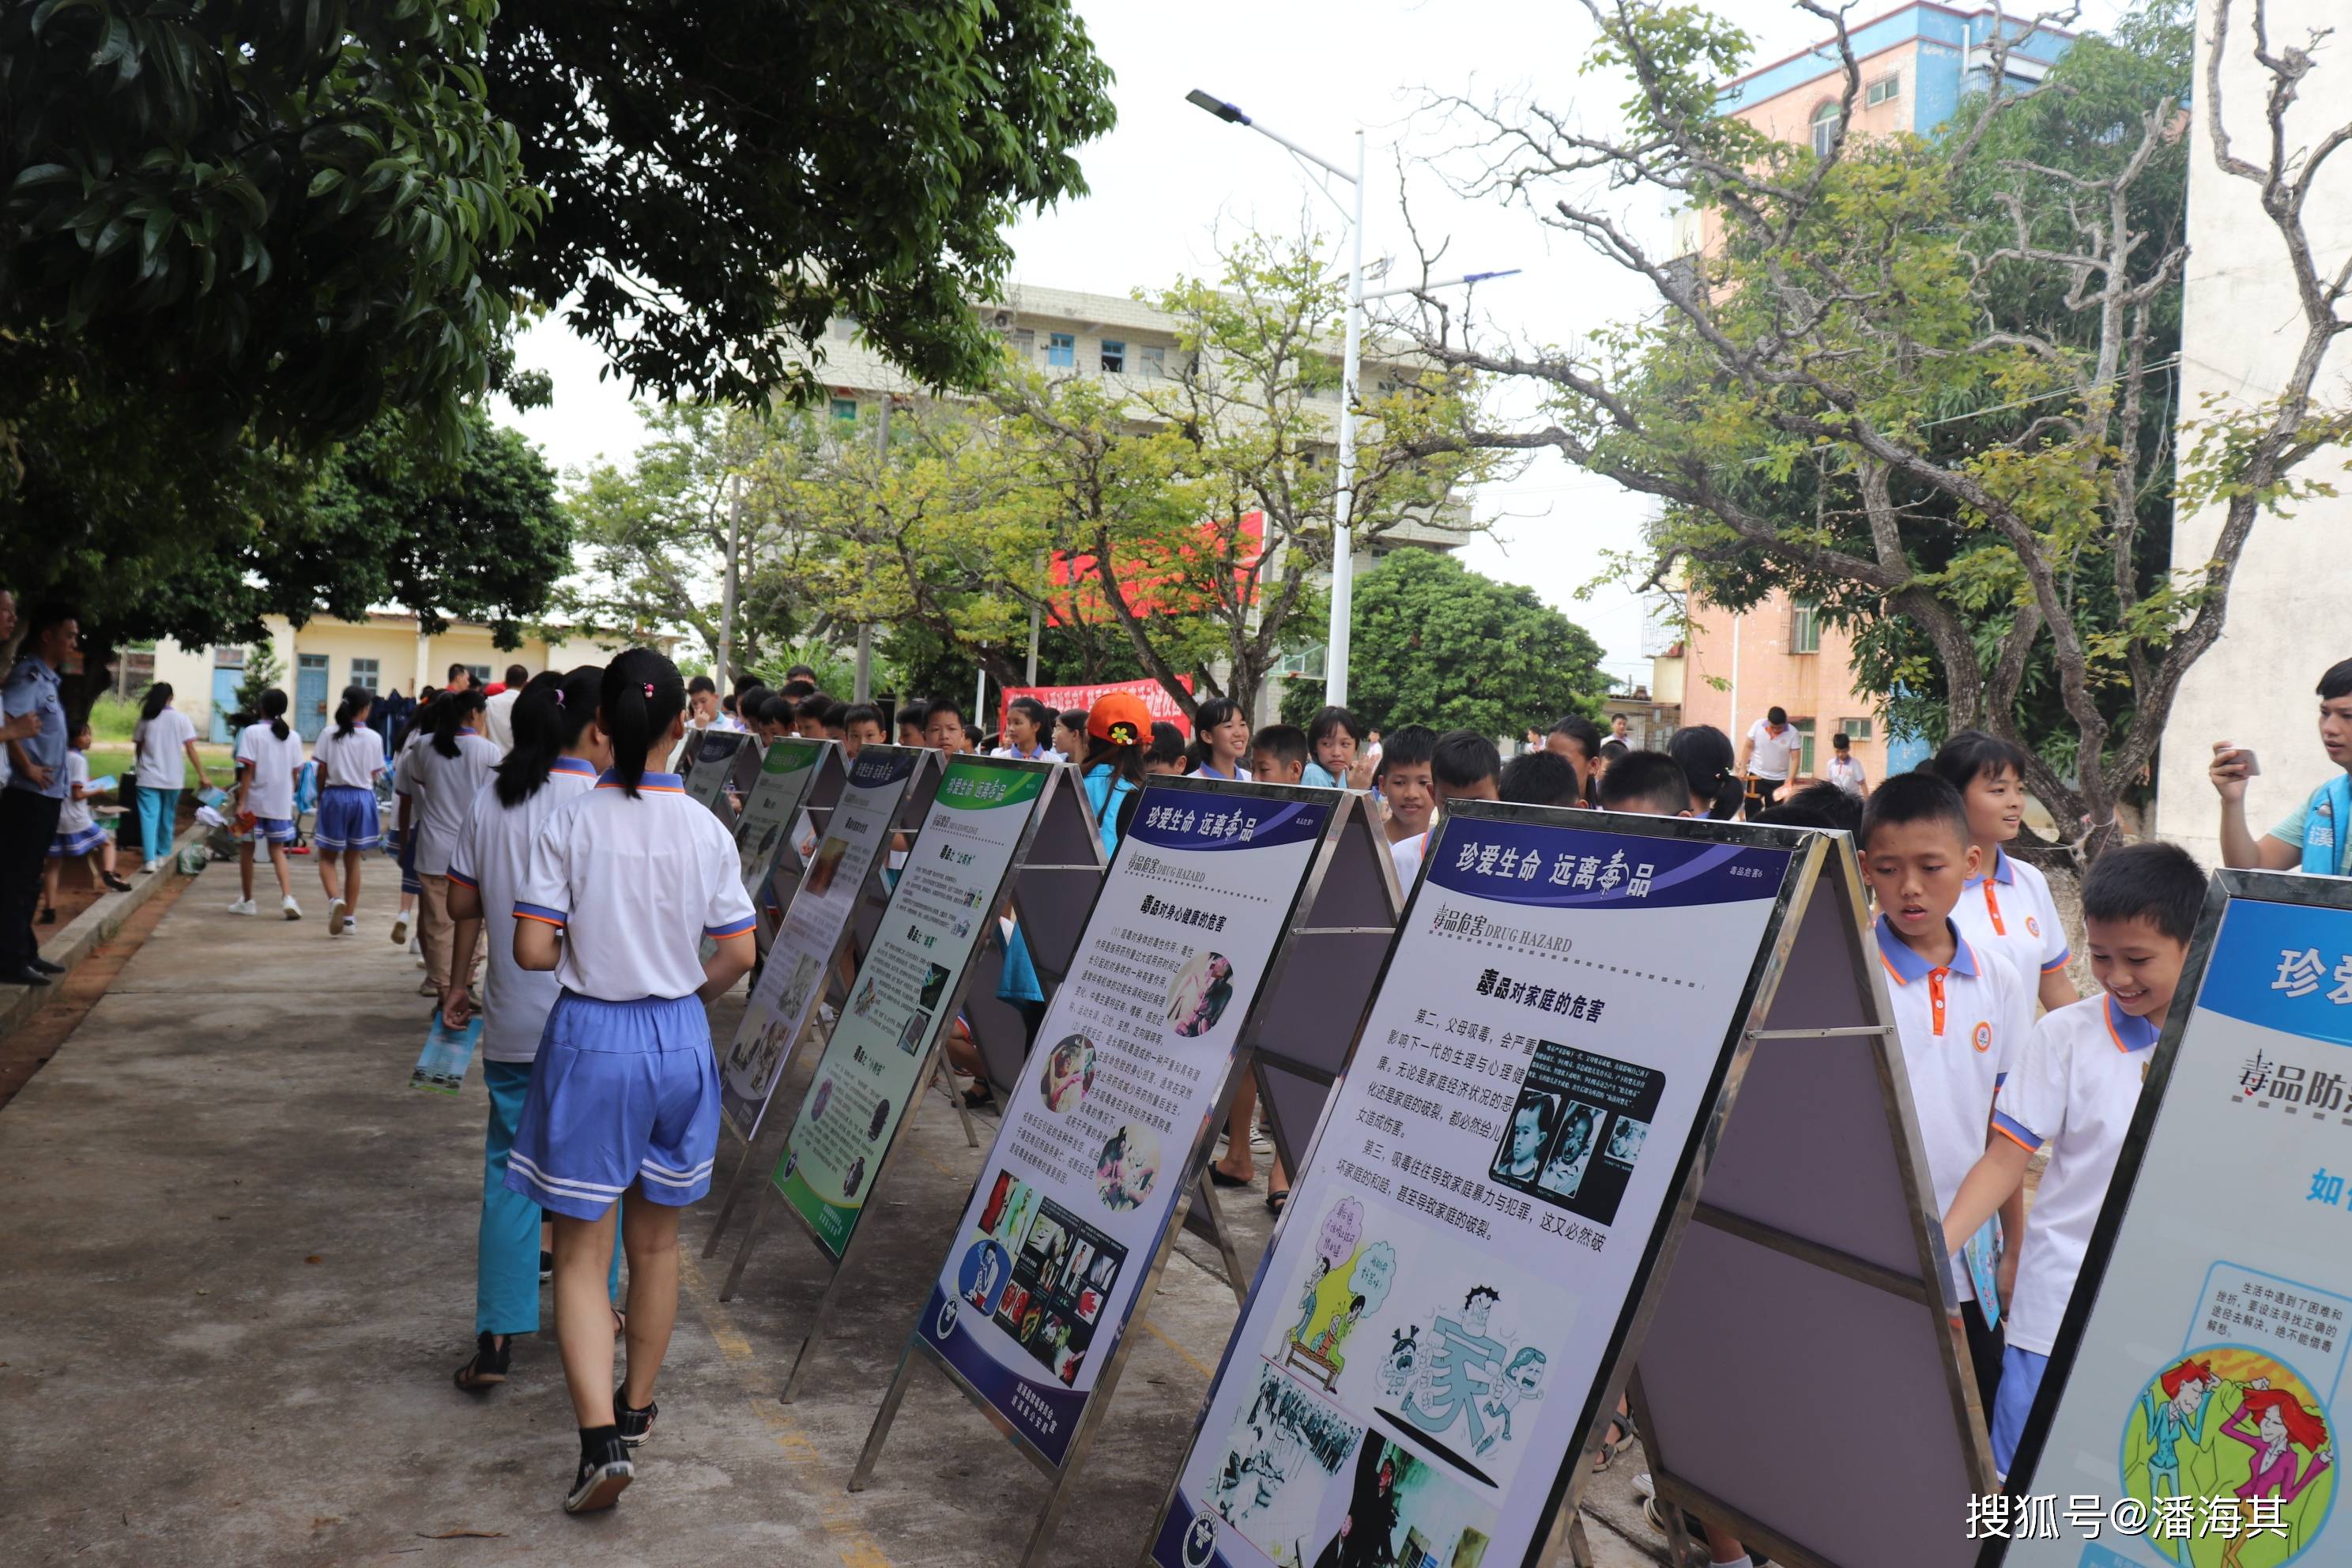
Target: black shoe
column 25, row 975
column 546, row 1267
column 115, row 882
column 637, row 1425
column 44, row 966
column 50, row 917
column 487, row 1366
column 605, row 1473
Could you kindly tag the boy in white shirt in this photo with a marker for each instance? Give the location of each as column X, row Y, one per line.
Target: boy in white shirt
column 2076, row 1087
column 1961, row 1014
column 2007, row 907
column 1408, row 794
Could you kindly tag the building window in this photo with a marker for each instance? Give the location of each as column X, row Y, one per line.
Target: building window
column 229, row 658
column 844, row 326
column 365, row 672
column 845, row 408
column 1886, row 90
column 1062, row 349
column 1025, row 342
column 481, row 673
column 1114, row 357
column 1151, row 360
column 1825, row 129
column 1804, row 626
column 1858, row 730
column 1804, row 729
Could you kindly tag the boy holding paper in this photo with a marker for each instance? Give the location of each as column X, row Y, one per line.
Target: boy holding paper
column 2075, row 1087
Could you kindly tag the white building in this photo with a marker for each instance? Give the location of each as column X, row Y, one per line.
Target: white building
column 2288, row 607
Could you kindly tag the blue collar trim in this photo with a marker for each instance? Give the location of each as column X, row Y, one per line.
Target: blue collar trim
column 1906, row 962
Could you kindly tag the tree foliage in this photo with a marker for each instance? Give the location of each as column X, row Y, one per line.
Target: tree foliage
column 1925, row 381
column 1436, row 643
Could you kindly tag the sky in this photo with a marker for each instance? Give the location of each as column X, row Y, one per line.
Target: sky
column 1170, row 178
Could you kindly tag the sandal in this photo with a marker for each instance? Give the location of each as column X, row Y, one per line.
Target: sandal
column 979, row 1099
column 488, row 1365
column 1608, row 1450
column 1274, row 1201
column 1223, row 1180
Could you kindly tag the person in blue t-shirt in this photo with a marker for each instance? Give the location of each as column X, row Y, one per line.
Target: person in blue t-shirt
column 2316, row 837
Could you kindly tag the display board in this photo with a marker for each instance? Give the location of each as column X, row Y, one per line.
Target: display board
column 1493, row 1204
column 1053, row 889
column 1061, row 1240
column 793, row 977
column 787, row 770
column 710, row 766
column 2188, row 1414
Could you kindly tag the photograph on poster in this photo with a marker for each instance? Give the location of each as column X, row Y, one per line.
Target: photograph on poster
column 2229, row 1421
column 910, row 1033
column 761, row 850
column 986, row 1266
column 1127, row 1167
column 1005, row 1215
column 880, row 1119
column 825, row 867
column 821, row 1097
column 863, row 1002
column 1200, row 994
column 1069, row 1073
column 855, row 1179
column 1401, row 1510
column 1285, row 1454
column 935, row 984
column 1576, row 1129
column 1061, row 1274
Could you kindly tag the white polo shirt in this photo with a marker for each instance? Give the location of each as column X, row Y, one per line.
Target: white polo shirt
column 443, row 789
column 2075, row 1087
column 1961, row 1027
column 1768, row 754
column 2012, row 912
column 493, row 855
column 161, row 744
column 271, row 793
column 635, row 885
column 348, row 762
column 1405, row 855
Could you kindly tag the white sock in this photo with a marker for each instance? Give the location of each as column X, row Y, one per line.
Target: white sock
column 1742, row 1561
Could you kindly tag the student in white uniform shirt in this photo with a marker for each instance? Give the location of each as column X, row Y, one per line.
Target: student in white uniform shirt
column 2076, row 1087
column 1962, row 1015
column 443, row 775
column 622, row 887
column 1764, row 756
column 2008, row 906
column 498, row 711
column 166, row 743
column 268, row 757
column 1408, row 792
column 1027, row 723
column 556, row 758
column 350, row 758
column 1221, row 740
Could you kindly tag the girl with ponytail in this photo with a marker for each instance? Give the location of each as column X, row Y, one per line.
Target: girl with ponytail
column 439, row 781
column 558, row 752
column 350, row 758
column 622, row 887
column 166, row 746
column 268, row 758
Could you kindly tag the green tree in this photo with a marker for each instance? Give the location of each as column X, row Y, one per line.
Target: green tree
column 1437, row 644
column 1864, row 390
column 263, row 675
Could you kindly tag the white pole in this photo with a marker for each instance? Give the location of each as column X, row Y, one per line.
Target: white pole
column 1343, row 499
column 980, row 701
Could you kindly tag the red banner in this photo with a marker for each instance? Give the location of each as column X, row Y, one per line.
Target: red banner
column 1155, row 701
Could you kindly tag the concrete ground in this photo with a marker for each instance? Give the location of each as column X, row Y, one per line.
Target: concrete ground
column 239, row 1264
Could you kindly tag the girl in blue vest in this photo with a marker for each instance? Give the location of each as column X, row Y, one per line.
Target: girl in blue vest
column 622, row 886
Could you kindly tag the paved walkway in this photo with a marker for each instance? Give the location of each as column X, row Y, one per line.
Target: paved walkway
column 240, row 1265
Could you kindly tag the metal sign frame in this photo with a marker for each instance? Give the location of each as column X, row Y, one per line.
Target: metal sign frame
column 1294, row 923
column 2227, row 887
column 1768, row 967
column 1041, row 890
column 914, row 805
column 1058, row 793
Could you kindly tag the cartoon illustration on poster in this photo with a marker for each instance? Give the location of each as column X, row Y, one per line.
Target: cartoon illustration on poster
column 958, row 865
column 1133, row 1052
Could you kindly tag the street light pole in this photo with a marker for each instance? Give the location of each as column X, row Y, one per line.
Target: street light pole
column 1343, row 497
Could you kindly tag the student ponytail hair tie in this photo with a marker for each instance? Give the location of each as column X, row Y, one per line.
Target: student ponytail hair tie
column 649, row 688
column 559, row 697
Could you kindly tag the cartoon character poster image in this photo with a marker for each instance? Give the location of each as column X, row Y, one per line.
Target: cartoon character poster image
column 2233, row 1456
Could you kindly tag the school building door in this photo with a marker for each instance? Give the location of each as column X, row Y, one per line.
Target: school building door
column 309, row 694
column 229, row 674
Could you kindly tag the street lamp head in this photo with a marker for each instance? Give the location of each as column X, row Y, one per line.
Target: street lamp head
column 1230, row 113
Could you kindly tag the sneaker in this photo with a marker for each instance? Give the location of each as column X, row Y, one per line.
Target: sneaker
column 350, row 925
column 546, row 1265
column 151, row 867
column 293, row 910
column 605, row 1473
column 242, row 907
column 399, row 928
column 336, row 924
column 637, row 1425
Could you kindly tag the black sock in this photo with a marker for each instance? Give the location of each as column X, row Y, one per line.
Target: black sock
column 592, row 1438
column 632, row 1409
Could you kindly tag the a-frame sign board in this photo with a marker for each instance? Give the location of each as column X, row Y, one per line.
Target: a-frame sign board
column 718, row 768
column 1300, row 1035
column 1817, row 1235
column 804, row 833
column 1501, row 1188
column 1052, row 891
column 794, row 775
column 2194, row 1393
column 885, row 1046
column 888, row 791
column 1064, row 1237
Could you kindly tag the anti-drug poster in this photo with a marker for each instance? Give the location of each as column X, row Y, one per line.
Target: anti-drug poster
column 1088, row 1166
column 792, row 979
column 2198, row 1424
column 871, row 1068
column 1408, row 1378
column 786, row 771
column 710, row 766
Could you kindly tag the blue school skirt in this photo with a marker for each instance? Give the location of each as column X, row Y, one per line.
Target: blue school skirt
column 348, row 819
column 623, row 1094
column 66, row 846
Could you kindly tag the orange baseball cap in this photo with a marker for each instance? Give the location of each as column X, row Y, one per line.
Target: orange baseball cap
column 1121, row 718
